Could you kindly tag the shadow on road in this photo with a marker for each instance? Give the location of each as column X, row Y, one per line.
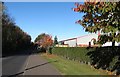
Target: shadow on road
column 14, row 75
column 21, row 52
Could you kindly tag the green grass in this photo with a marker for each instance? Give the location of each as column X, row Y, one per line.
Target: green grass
column 69, row 67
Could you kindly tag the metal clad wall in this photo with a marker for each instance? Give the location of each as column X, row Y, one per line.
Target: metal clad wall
column 83, row 40
column 86, row 39
column 71, row 43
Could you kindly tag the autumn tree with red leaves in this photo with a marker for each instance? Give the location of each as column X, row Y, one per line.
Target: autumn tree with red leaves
column 100, row 16
column 44, row 40
column 103, row 17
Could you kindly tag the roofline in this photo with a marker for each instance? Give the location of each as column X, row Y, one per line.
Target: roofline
column 68, row 39
column 76, row 37
column 85, row 35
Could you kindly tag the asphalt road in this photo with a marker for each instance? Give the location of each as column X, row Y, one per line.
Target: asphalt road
column 27, row 63
column 15, row 64
column 37, row 65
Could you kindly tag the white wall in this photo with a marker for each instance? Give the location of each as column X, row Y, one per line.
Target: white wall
column 71, row 43
column 86, row 39
column 82, row 40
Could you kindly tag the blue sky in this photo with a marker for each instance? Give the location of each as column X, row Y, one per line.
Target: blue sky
column 54, row 18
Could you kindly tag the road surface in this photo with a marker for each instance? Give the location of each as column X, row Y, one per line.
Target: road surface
column 15, row 64
column 27, row 64
column 37, row 65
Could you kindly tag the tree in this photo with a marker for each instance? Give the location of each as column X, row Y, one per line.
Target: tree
column 13, row 37
column 44, row 40
column 103, row 17
column 39, row 37
column 100, row 16
column 55, row 40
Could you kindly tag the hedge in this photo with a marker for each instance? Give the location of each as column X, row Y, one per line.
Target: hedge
column 76, row 53
column 107, row 58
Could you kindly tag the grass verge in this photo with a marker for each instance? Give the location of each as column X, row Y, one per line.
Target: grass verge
column 69, row 67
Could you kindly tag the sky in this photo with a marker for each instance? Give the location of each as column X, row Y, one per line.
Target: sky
column 54, row 18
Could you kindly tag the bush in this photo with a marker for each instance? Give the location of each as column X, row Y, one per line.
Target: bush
column 106, row 58
column 77, row 53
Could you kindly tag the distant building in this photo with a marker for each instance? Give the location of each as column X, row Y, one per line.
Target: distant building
column 110, row 44
column 81, row 41
column 72, row 42
column 62, row 45
column 84, row 41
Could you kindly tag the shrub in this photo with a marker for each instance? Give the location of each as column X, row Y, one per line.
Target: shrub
column 107, row 58
column 77, row 53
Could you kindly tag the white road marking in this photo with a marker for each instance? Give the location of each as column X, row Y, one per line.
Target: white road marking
column 26, row 65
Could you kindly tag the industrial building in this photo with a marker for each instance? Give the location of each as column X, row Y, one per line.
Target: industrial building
column 81, row 41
